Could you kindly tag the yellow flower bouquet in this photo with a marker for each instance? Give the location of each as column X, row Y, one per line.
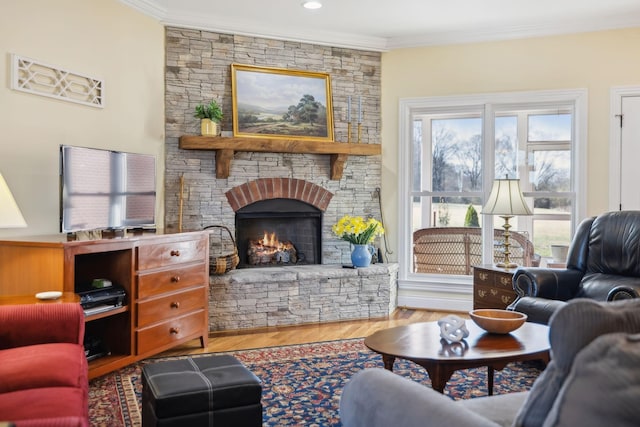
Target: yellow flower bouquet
column 356, row 230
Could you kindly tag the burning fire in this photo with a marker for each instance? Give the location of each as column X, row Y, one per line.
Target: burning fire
column 271, row 241
column 270, row 250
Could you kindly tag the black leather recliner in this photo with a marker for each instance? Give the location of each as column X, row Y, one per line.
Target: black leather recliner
column 603, row 264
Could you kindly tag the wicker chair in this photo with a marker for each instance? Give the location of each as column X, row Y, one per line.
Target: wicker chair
column 455, row 250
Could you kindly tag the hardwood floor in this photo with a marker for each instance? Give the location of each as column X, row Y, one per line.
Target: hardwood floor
column 288, row 335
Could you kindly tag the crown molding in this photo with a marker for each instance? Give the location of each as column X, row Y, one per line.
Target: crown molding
column 213, row 23
column 510, row 33
column 253, row 29
column 147, row 7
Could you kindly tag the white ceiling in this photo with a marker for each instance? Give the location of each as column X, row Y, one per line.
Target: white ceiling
column 386, row 25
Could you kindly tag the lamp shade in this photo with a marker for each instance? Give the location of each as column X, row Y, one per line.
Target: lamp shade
column 506, row 199
column 10, row 215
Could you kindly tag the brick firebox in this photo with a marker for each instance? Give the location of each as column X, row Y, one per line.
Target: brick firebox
column 278, row 188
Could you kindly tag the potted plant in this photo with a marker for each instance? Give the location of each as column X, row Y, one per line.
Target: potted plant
column 210, row 116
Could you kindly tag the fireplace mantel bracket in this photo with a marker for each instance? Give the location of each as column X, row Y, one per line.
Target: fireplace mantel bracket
column 225, row 148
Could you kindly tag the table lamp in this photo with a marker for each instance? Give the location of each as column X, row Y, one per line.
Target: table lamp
column 10, row 215
column 506, row 200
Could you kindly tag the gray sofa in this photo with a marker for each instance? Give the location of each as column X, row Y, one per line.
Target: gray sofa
column 592, row 380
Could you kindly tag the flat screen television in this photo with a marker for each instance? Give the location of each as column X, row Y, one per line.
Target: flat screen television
column 106, row 190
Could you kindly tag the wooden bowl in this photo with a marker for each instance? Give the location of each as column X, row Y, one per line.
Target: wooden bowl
column 497, row 321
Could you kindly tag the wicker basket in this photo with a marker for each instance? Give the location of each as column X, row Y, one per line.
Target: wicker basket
column 225, row 263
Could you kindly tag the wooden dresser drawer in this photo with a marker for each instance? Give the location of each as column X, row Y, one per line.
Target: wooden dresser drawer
column 151, row 284
column 172, row 305
column 167, row 333
column 492, row 287
column 493, row 278
column 504, row 281
column 167, row 254
column 492, row 297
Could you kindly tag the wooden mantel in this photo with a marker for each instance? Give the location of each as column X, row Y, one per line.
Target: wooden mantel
column 225, row 148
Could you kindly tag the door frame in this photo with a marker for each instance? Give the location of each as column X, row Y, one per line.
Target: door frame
column 615, row 135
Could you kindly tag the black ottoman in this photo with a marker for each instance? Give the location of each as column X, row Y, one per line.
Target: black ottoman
column 200, row 391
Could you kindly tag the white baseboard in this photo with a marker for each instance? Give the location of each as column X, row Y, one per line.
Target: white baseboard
column 437, row 303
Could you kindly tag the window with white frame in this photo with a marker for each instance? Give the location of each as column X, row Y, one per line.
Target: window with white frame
column 457, row 146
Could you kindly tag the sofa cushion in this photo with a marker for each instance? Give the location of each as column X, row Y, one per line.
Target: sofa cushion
column 377, row 397
column 54, row 406
column 501, row 408
column 602, row 386
column 571, row 329
column 44, row 365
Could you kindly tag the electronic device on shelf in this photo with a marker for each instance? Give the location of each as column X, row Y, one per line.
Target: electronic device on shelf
column 98, row 300
column 94, row 348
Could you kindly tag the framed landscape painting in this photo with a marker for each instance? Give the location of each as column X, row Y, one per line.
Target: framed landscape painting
column 281, row 103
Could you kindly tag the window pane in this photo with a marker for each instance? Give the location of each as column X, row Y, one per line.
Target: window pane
column 550, row 232
column 549, row 127
column 446, row 212
column 417, row 155
column 558, row 207
column 456, row 154
column 551, row 223
column 506, row 129
column 456, row 211
column 551, row 170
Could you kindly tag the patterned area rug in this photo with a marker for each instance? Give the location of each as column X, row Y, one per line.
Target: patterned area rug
column 301, row 384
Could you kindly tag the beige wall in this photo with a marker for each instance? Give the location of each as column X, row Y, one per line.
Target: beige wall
column 595, row 61
column 97, row 38
column 106, row 39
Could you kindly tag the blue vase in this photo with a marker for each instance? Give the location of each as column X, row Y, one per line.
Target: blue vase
column 360, row 256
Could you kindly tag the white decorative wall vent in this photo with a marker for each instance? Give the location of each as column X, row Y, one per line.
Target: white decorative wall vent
column 29, row 75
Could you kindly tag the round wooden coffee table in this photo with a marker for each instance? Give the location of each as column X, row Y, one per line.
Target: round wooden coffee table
column 422, row 344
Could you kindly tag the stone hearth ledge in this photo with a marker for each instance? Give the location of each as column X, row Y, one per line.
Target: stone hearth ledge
column 294, row 295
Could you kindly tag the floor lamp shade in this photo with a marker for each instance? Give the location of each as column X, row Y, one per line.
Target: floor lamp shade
column 10, row 215
column 506, row 200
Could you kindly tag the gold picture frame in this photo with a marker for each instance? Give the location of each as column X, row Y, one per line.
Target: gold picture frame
column 281, row 103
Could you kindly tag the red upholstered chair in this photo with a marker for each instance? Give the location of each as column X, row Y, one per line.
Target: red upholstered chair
column 43, row 368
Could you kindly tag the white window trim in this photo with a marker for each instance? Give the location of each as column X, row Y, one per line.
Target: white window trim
column 445, row 292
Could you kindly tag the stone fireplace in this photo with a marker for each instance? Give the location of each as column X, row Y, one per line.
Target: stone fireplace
column 198, row 70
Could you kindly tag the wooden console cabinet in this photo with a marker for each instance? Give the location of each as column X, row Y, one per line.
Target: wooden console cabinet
column 492, row 287
column 165, row 277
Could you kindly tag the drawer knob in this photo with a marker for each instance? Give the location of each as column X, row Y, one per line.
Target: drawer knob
column 174, row 331
column 175, row 279
column 175, row 304
column 175, row 253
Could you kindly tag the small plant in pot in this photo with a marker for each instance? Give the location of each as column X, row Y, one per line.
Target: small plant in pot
column 210, row 116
